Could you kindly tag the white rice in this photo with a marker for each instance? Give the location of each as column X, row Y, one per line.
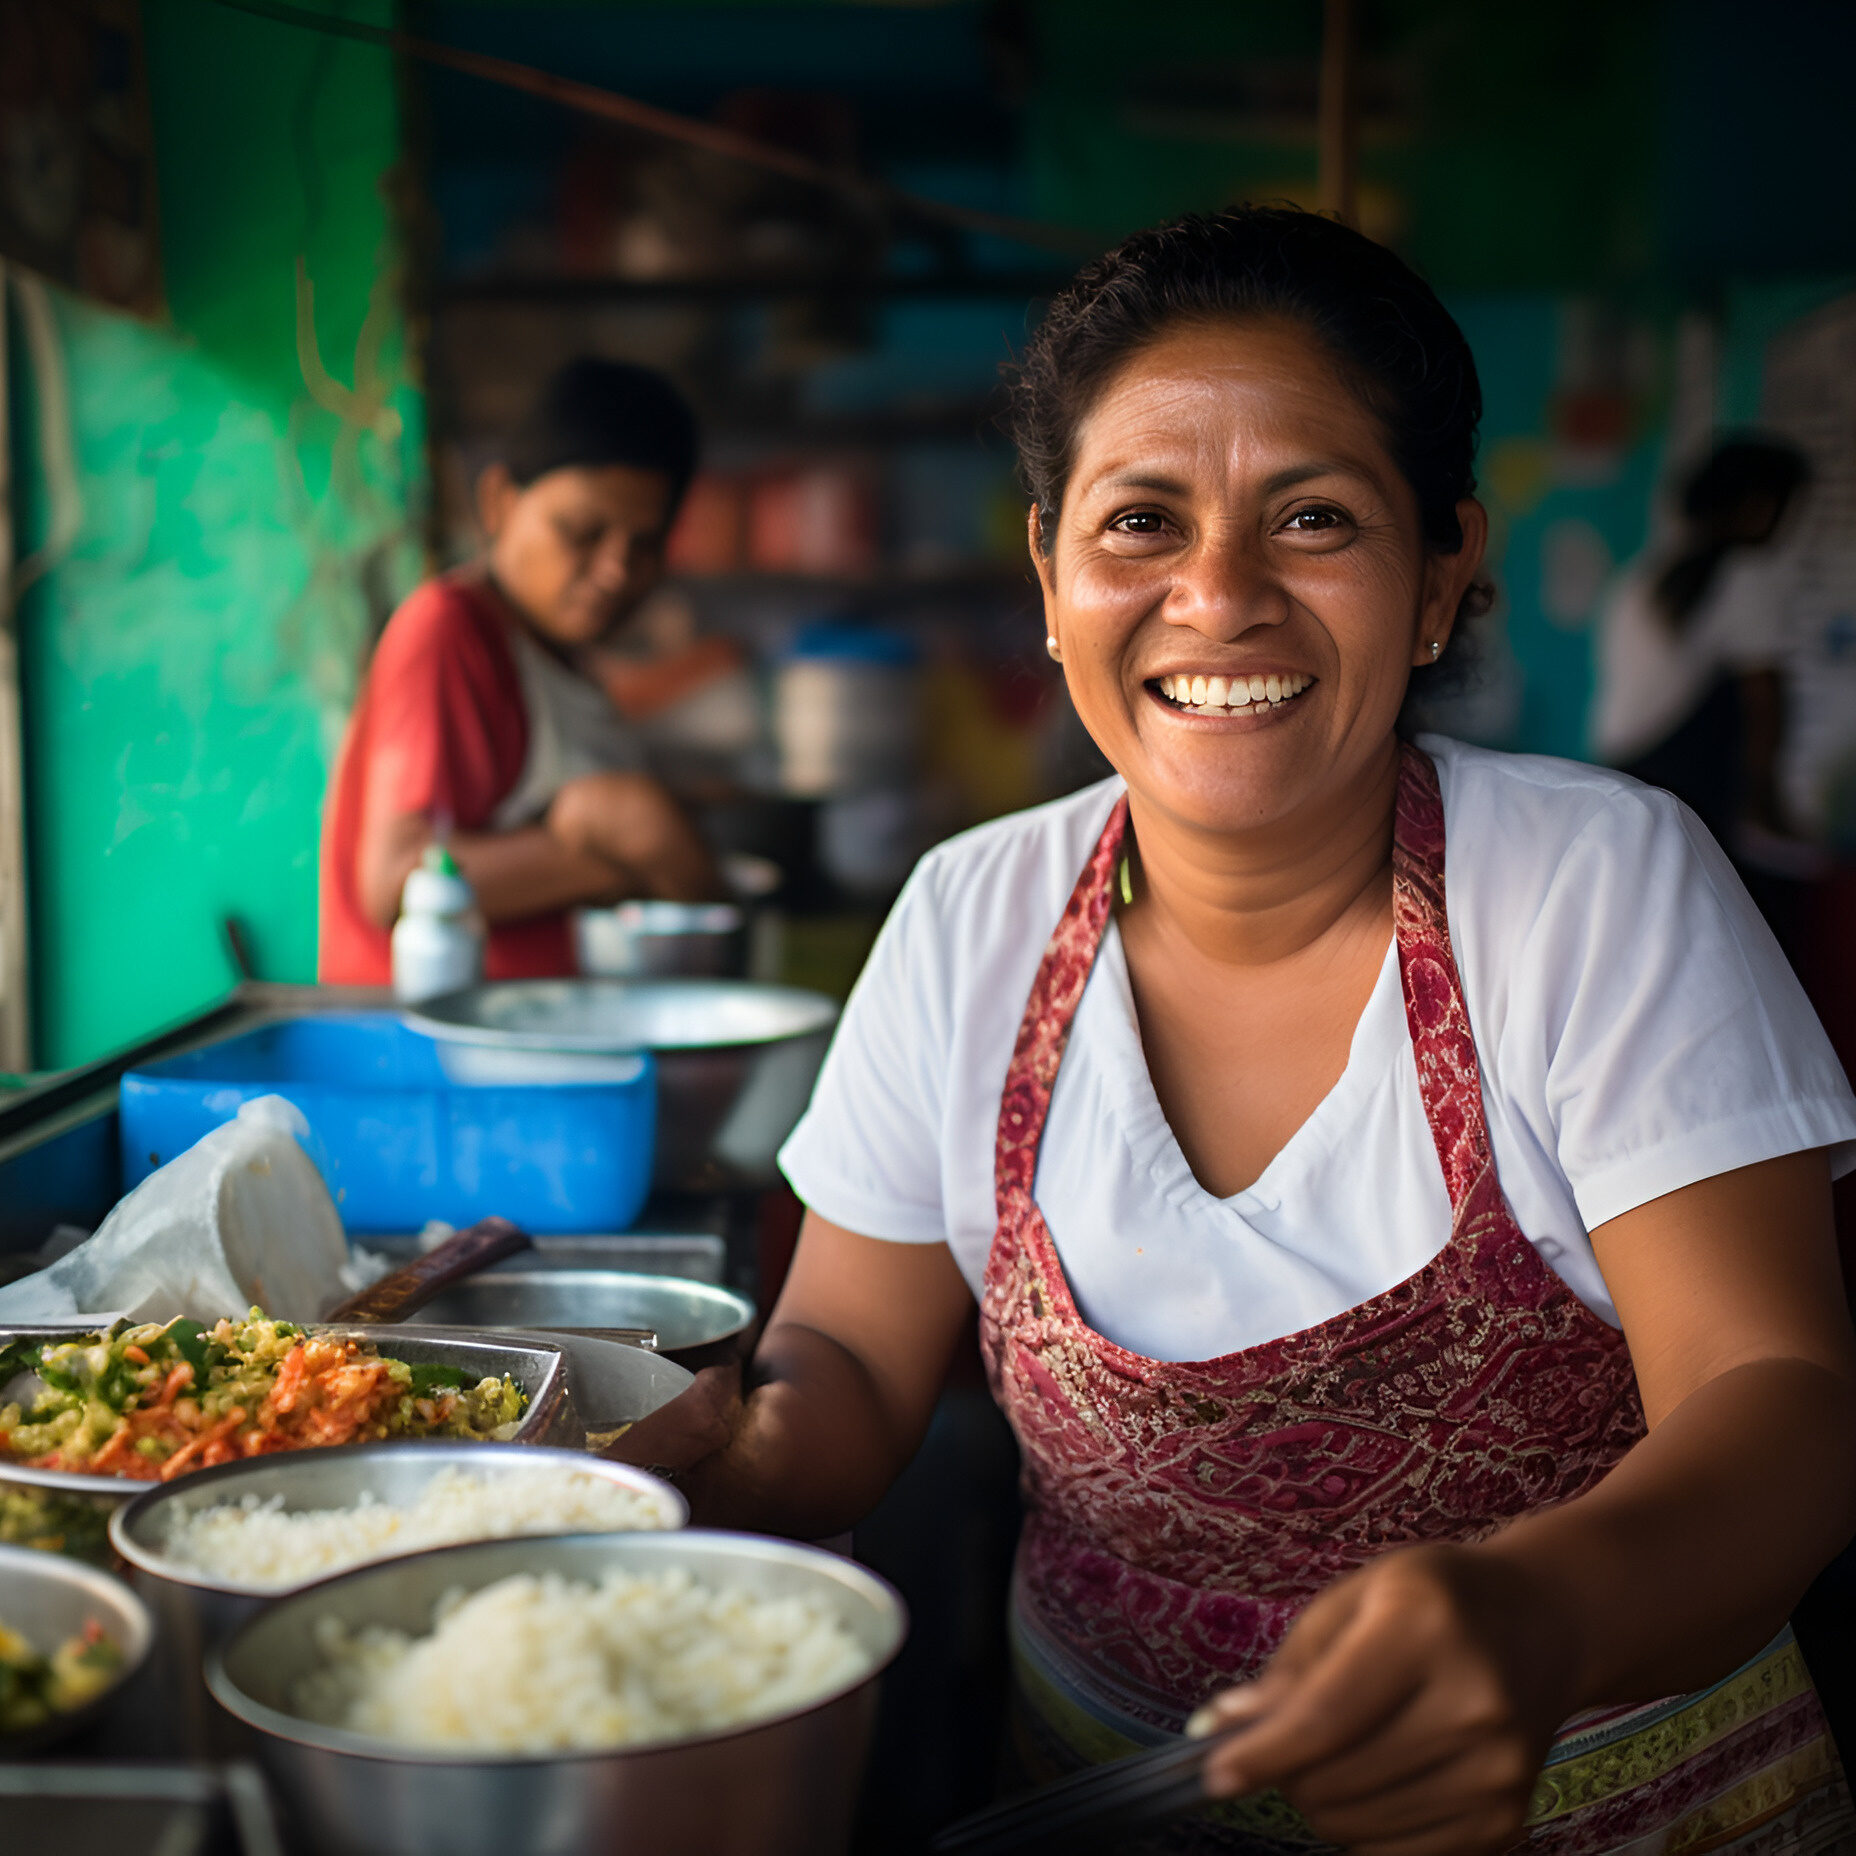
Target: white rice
column 252, row 1542
column 545, row 1664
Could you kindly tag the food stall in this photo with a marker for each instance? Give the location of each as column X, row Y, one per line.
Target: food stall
column 138, row 1557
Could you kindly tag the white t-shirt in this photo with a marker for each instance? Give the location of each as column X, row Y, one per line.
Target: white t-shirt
column 1798, row 609
column 1650, row 676
column 1637, row 1027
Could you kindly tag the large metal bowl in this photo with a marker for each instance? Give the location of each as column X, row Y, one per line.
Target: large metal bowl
column 197, row 1610
column 49, row 1600
column 535, row 1361
column 781, row 1787
column 696, row 1323
column 736, row 1060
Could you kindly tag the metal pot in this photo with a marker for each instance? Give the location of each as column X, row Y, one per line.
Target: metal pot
column 197, row 1610
column 49, row 1600
column 696, row 1323
column 781, row 1787
column 644, row 940
column 736, row 1060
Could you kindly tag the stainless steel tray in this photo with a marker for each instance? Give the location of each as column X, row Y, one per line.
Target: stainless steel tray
column 533, row 1362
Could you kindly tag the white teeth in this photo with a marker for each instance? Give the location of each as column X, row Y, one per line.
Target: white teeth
column 1233, row 696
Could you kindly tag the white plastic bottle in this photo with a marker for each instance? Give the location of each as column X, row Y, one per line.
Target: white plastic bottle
column 438, row 939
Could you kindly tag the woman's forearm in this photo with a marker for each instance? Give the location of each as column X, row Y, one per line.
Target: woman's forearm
column 528, row 871
column 1693, row 1551
column 813, row 1447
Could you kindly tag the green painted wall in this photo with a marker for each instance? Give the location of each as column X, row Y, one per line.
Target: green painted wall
column 187, row 667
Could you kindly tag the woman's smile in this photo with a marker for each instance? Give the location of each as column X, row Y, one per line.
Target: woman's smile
column 1261, row 693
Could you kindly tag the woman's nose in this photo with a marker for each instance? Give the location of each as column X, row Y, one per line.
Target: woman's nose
column 1225, row 584
column 612, row 563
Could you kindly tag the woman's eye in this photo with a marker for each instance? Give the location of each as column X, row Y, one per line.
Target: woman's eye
column 1315, row 521
column 1140, row 522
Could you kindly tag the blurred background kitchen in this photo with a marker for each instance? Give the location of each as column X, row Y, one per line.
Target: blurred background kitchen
column 278, row 277
column 271, row 290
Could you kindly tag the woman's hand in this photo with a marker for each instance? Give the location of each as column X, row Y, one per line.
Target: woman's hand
column 698, row 1423
column 1409, row 1709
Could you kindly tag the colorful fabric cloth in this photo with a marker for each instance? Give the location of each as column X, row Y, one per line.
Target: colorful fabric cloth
column 1180, row 1514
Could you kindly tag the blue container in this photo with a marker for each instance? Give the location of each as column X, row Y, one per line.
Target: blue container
column 399, row 1141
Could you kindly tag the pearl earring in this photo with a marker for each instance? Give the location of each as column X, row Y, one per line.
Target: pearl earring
column 1050, row 645
column 1436, row 650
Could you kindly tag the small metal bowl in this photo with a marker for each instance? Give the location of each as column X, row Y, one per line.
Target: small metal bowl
column 785, row 1786
column 610, row 1384
column 696, row 1323
column 49, row 1600
column 659, row 940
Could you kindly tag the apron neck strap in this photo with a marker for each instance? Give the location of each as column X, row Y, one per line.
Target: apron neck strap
column 1449, row 1077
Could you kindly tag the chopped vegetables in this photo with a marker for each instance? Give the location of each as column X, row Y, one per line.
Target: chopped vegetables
column 151, row 1402
column 35, row 1688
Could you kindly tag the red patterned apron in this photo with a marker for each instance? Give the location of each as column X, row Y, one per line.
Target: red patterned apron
column 1179, row 1514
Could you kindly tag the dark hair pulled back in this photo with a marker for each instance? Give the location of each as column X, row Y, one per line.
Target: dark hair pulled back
column 1381, row 322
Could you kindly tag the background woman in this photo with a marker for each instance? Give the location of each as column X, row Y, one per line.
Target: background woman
column 477, row 722
column 1393, row 1177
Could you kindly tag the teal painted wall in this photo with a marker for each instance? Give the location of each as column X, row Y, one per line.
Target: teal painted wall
column 187, row 667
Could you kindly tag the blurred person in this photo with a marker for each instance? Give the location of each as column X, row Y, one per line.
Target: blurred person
column 1689, row 693
column 480, row 722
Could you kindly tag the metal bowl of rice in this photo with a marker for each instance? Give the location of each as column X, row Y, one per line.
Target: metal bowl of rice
column 207, row 1551
column 683, row 1693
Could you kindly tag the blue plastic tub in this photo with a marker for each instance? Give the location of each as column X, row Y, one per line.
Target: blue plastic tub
column 399, row 1141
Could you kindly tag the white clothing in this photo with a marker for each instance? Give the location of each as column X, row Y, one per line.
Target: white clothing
column 1637, row 1027
column 573, row 729
column 1651, row 676
column 1800, row 607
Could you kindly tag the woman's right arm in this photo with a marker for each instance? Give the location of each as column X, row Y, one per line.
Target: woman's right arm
column 841, row 1388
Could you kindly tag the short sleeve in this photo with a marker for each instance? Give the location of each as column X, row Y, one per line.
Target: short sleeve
column 446, row 728
column 867, row 1153
column 1674, row 1040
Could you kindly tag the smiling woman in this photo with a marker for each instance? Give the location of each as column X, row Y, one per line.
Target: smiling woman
column 1416, row 1304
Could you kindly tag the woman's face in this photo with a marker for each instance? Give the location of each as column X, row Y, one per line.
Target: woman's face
column 1239, row 584
column 578, row 548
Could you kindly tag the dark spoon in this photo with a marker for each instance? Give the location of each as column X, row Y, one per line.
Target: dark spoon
column 397, row 1294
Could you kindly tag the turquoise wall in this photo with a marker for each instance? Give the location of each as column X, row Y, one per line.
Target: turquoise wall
column 187, row 666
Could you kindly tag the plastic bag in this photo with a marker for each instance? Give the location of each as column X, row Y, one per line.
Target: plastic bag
column 241, row 1218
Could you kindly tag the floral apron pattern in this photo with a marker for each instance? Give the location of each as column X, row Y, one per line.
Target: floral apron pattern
column 1179, row 1514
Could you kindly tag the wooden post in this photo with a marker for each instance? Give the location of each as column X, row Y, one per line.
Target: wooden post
column 15, row 1000
column 1339, row 129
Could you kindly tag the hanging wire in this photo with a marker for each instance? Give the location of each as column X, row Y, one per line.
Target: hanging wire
column 862, row 190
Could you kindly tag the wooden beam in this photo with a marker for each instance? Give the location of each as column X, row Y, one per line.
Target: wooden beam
column 1339, row 117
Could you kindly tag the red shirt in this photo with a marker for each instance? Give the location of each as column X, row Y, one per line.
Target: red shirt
column 440, row 728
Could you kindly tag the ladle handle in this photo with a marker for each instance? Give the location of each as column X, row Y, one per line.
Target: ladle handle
column 402, row 1291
